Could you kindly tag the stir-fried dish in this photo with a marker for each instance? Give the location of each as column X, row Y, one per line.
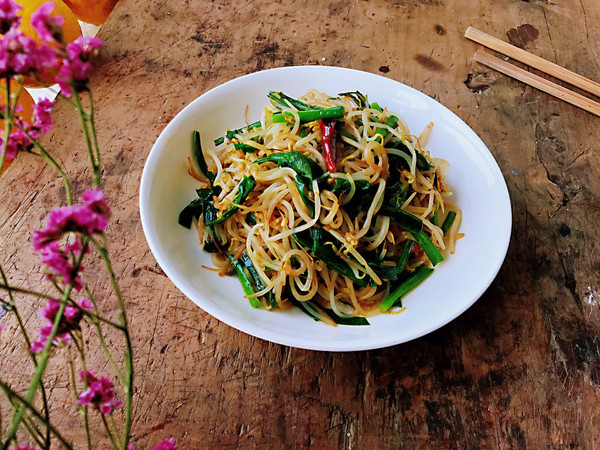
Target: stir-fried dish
column 328, row 204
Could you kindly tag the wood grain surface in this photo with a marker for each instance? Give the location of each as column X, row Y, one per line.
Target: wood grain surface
column 519, row 369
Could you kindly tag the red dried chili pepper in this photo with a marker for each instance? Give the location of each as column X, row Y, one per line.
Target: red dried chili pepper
column 328, row 142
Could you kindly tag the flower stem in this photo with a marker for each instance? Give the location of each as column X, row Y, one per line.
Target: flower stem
column 45, row 356
column 40, row 368
column 93, row 127
column 46, row 156
column 13, row 395
column 7, row 125
column 94, row 158
column 109, row 432
column 92, row 316
column 128, row 363
column 11, row 289
column 13, row 306
column 32, row 430
column 103, row 342
column 84, row 409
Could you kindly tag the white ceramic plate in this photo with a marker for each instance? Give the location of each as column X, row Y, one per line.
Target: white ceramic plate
column 474, row 177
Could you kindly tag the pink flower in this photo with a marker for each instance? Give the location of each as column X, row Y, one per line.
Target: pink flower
column 100, row 393
column 17, row 141
column 8, row 15
column 20, row 54
column 62, row 262
column 44, row 58
column 76, row 68
column 167, row 444
column 42, row 120
column 94, row 200
column 70, row 321
column 22, row 447
column 44, row 334
column 48, row 28
column 90, row 217
column 2, row 326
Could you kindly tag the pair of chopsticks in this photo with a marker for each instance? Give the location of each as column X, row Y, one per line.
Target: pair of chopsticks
column 541, row 64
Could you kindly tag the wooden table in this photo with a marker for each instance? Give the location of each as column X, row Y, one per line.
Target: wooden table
column 521, row 368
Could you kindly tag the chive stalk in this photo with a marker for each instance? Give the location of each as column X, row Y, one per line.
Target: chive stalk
column 428, row 247
column 281, row 99
column 412, row 281
column 311, row 115
column 253, row 125
column 448, row 222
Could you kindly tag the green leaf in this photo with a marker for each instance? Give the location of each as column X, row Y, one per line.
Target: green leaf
column 210, row 246
column 395, row 195
column 195, row 209
column 342, row 186
column 257, row 280
column 199, row 157
column 306, row 171
column 191, row 211
column 306, row 308
column 362, row 198
column 302, row 165
column 376, row 106
column 386, row 271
